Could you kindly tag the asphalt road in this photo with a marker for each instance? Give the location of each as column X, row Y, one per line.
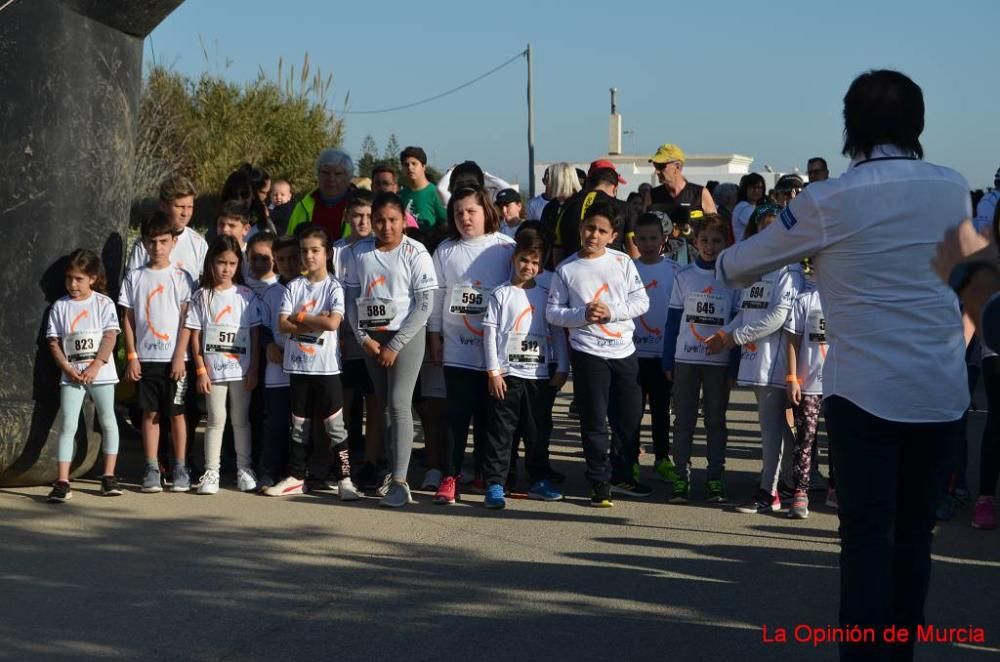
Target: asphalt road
column 242, row 577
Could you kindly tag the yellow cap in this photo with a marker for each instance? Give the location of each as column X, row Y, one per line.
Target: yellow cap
column 667, row 153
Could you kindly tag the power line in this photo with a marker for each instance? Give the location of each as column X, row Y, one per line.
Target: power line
column 436, row 96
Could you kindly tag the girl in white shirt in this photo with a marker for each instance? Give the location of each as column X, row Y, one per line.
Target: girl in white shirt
column 476, row 259
column 223, row 323
column 390, row 291
column 517, row 344
column 82, row 331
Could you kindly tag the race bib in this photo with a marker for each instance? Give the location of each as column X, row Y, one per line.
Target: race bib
column 225, row 339
column 82, row 346
column 707, row 309
column 309, row 339
column 757, row 296
column 526, row 348
column 375, row 313
column 467, row 300
column 817, row 327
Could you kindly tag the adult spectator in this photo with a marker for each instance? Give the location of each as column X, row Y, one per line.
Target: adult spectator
column 674, row 190
column 385, row 180
column 968, row 262
column 786, row 188
column 602, row 186
column 988, row 205
column 752, row 192
column 325, row 205
column 726, row 196
column 418, row 194
column 565, row 184
column 817, row 170
column 894, row 329
column 536, row 205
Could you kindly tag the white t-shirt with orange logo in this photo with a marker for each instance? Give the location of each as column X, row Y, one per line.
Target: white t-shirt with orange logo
column 658, row 280
column 387, row 281
column 155, row 297
column 707, row 306
column 224, row 319
column 80, row 327
column 611, row 278
column 807, row 320
column 314, row 353
column 525, row 342
column 188, row 254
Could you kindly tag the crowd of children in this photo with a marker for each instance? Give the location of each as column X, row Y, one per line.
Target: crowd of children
column 294, row 339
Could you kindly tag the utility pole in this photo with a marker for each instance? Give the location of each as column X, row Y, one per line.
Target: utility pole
column 531, row 131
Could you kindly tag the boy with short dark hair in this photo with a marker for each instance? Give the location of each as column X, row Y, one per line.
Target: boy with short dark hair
column 596, row 293
column 155, row 299
column 419, row 195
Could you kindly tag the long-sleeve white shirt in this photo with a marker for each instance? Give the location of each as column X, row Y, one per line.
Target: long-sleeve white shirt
column 896, row 347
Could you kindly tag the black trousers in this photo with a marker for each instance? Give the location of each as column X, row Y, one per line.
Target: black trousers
column 656, row 390
column 888, row 477
column 520, row 411
column 608, row 394
column 467, row 400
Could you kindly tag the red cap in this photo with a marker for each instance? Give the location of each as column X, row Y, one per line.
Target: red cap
column 604, row 163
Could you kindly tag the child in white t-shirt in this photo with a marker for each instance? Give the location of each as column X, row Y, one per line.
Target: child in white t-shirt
column 468, row 266
column 82, row 330
column 519, row 345
column 260, row 262
column 177, row 195
column 223, row 323
column 596, row 293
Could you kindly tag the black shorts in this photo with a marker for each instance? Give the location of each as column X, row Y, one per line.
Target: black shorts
column 157, row 392
column 315, row 395
column 354, row 375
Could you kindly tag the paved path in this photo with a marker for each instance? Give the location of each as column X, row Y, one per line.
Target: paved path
column 240, row 577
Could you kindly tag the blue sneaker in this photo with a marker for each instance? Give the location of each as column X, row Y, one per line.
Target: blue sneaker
column 494, row 497
column 544, row 491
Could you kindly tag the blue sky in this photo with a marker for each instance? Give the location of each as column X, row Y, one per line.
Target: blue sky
column 761, row 79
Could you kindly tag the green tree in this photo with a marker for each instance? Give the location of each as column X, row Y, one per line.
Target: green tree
column 391, row 153
column 368, row 158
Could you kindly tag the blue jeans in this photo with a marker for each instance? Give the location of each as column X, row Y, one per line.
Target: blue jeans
column 888, row 477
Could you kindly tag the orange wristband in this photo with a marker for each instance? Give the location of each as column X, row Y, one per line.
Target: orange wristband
column 301, row 316
column 792, row 379
column 201, row 371
column 132, row 356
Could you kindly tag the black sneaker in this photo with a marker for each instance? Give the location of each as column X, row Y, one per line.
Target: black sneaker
column 367, row 477
column 761, row 503
column 61, row 492
column 600, row 497
column 632, row 488
column 785, row 492
column 110, row 486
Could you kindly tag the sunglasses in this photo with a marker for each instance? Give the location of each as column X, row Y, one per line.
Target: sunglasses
column 659, row 167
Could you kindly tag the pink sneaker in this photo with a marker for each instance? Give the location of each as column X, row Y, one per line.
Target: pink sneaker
column 447, row 491
column 984, row 516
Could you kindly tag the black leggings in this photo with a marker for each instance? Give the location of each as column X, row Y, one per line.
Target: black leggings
column 989, row 463
column 467, row 399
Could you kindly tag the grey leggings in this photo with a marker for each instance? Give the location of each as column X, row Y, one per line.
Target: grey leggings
column 394, row 390
column 775, row 435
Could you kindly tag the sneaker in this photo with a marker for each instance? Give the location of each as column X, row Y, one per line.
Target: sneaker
column 785, row 492
column 477, row 485
column 543, row 491
column 151, row 480
column 762, row 502
column 368, row 477
column 246, row 481
column 386, row 485
column 716, row 491
column 553, row 476
column 61, row 492
column 447, row 491
column 831, row 498
column 632, row 489
column 800, row 505
column 182, row 479
column 289, row 486
column 265, row 481
column 397, row 496
column 984, row 515
column 960, row 497
column 432, row 479
column 600, row 496
column 665, row 470
column 680, row 493
column 494, row 497
column 110, row 486
column 209, row 482
column 347, row 490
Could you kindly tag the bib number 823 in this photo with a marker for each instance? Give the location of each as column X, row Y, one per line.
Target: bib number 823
column 82, row 344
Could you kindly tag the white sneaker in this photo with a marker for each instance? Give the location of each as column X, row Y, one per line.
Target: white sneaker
column 289, row 486
column 432, row 480
column 246, row 481
column 383, row 489
column 347, row 490
column 209, row 482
